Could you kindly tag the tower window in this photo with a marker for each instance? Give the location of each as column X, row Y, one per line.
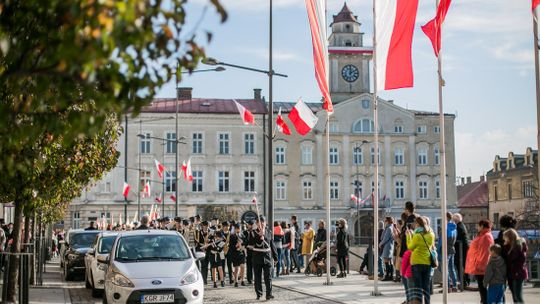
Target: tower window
column 348, row 28
column 348, row 43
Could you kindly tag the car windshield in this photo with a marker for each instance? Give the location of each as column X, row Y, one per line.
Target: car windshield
column 82, row 240
column 151, row 248
column 105, row 244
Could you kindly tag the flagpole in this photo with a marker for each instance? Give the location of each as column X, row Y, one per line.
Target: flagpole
column 376, row 161
column 442, row 161
column 327, row 182
column 537, row 74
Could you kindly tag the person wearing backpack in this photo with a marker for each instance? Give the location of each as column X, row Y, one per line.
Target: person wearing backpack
column 420, row 242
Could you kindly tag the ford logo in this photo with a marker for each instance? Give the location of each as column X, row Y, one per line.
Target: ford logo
column 156, row 282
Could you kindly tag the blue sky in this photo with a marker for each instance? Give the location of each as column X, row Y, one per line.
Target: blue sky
column 488, row 63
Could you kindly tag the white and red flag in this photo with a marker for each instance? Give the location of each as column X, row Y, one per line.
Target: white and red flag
column 302, row 118
column 394, row 23
column 535, row 4
column 173, row 198
column 186, row 168
column 147, row 190
column 247, row 116
column 160, row 168
column 158, row 199
column 125, row 191
column 281, row 124
column 317, row 24
column 432, row 29
column 354, row 198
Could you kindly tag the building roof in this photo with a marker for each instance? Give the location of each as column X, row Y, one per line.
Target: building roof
column 204, row 105
column 345, row 15
column 473, row 195
column 287, row 106
column 427, row 113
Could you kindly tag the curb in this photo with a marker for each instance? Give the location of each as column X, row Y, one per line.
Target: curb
column 308, row 294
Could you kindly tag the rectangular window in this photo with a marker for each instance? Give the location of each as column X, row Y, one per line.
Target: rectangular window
column 280, row 155
column 358, row 188
column 357, row 156
column 197, row 184
column 436, row 129
column 170, row 181
column 334, row 127
column 223, row 181
column 437, row 189
column 509, row 190
column 373, row 186
column 423, row 189
column 334, row 156
column 249, row 181
column 422, row 157
column 421, row 129
column 145, row 177
column 436, row 156
column 307, row 155
column 372, row 154
column 223, row 143
column 144, row 144
column 108, row 187
column 197, row 143
column 495, row 193
column 399, row 158
column 171, row 142
column 249, row 143
column 398, row 129
column 527, row 188
column 400, row 190
column 76, row 220
column 281, row 190
column 307, row 190
column 496, row 220
column 334, row 190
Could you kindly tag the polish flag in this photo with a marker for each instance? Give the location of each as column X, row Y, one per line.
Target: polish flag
column 158, row 199
column 173, row 198
column 302, row 118
column 535, row 4
column 186, row 168
column 317, row 23
column 160, row 168
column 147, row 190
column 432, row 29
column 394, row 23
column 354, row 198
column 282, row 125
column 247, row 116
column 125, row 192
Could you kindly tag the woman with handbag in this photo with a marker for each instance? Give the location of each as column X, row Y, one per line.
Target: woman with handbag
column 478, row 256
column 420, row 242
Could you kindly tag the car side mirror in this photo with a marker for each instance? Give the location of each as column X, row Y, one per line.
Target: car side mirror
column 103, row 259
column 199, row 255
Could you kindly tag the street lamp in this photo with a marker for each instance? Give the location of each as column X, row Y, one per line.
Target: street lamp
column 357, row 150
column 270, row 72
column 217, row 69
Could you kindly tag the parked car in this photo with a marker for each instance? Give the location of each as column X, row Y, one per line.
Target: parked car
column 95, row 271
column 74, row 250
column 152, row 266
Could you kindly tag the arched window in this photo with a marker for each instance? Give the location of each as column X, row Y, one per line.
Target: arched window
column 364, row 125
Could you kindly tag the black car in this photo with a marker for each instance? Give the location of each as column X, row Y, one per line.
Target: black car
column 76, row 246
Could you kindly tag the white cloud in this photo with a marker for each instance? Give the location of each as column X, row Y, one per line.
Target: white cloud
column 475, row 152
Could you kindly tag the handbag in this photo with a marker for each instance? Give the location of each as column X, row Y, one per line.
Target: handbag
column 432, row 254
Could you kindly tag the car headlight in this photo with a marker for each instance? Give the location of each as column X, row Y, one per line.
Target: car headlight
column 190, row 278
column 102, row 266
column 120, row 280
column 72, row 256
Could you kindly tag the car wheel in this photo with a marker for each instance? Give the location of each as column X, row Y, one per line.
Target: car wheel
column 104, row 299
column 319, row 272
column 67, row 277
column 333, row 271
column 87, row 285
column 95, row 292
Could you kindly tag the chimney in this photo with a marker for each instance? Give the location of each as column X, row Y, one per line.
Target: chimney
column 257, row 94
column 184, row 93
column 482, row 178
column 463, row 180
column 468, row 179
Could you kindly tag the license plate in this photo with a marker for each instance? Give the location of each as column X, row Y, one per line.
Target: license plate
column 160, row 298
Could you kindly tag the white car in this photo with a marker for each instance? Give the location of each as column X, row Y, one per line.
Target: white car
column 95, row 271
column 152, row 266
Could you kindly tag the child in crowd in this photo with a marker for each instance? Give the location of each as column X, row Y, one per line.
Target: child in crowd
column 495, row 277
column 406, row 275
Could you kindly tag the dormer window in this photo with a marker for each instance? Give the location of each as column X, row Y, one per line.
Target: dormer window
column 348, row 28
column 348, row 43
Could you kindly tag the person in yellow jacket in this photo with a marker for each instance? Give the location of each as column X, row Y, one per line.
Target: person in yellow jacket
column 420, row 242
column 307, row 243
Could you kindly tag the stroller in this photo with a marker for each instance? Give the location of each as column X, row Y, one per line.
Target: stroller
column 317, row 261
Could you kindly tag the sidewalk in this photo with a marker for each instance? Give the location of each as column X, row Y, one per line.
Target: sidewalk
column 54, row 288
column 356, row 288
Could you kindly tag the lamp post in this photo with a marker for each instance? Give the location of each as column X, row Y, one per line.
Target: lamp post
column 270, row 73
column 357, row 149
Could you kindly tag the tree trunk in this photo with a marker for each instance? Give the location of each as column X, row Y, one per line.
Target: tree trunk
column 33, row 238
column 14, row 261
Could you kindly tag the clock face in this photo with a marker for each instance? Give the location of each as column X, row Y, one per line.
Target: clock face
column 350, row 73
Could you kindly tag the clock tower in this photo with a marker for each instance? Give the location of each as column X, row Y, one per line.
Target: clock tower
column 349, row 58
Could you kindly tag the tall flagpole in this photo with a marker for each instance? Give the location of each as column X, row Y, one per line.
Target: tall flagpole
column 537, row 74
column 376, row 158
column 327, row 182
column 442, row 161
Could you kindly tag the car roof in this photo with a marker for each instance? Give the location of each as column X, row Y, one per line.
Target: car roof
column 108, row 233
column 148, row 232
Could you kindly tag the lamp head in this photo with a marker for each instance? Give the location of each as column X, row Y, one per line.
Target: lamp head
column 210, row 61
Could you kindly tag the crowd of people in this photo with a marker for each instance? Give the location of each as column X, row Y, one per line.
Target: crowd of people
column 410, row 252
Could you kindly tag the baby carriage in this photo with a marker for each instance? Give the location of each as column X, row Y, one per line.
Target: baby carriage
column 317, row 261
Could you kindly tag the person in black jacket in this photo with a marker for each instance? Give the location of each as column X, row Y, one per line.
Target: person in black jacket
column 264, row 256
column 408, row 218
column 342, row 247
column 461, row 247
column 144, row 223
column 320, row 237
column 247, row 236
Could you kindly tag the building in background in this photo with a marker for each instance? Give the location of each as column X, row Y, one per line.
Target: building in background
column 473, row 202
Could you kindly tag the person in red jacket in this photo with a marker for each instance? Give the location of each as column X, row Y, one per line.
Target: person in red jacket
column 515, row 249
column 478, row 256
